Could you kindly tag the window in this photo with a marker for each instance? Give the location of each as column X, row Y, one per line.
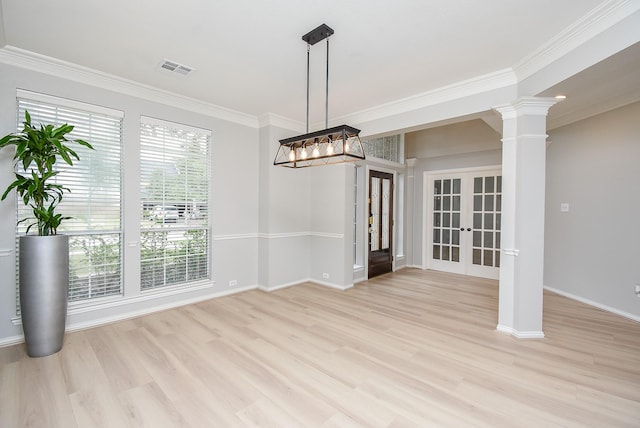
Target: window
column 94, row 201
column 174, row 189
column 387, row 148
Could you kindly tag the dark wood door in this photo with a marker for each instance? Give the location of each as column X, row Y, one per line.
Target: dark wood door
column 380, row 223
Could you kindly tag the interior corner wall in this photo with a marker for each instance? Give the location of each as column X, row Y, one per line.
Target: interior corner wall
column 284, row 223
column 591, row 250
column 332, row 202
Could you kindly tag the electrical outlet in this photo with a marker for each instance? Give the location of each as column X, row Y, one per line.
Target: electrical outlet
column 638, row 290
column 233, row 282
column 325, row 275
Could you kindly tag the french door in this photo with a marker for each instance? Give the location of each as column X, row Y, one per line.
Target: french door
column 380, row 223
column 463, row 223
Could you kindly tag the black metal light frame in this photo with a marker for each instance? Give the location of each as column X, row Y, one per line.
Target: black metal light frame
column 329, row 146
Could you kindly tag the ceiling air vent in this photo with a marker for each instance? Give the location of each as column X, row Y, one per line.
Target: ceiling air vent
column 176, row 68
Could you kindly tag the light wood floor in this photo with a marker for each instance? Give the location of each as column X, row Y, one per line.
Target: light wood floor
column 411, row 349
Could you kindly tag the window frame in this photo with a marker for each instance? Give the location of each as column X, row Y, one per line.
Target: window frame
column 165, row 227
column 53, row 105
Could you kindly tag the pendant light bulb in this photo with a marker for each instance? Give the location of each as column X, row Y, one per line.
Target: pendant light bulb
column 346, row 146
column 316, row 151
column 303, row 154
column 292, row 154
column 330, row 149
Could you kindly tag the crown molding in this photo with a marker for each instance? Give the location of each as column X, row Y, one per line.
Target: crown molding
column 11, row 55
column 272, row 119
column 600, row 19
column 476, row 85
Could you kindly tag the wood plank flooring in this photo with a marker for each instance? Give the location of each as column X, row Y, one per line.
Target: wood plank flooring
column 409, row 349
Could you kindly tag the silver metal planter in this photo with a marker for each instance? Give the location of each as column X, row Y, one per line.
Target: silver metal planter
column 44, row 284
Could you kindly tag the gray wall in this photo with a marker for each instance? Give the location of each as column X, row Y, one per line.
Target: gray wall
column 234, row 198
column 463, row 145
column 592, row 252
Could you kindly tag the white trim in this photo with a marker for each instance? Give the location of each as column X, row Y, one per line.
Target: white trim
column 271, row 119
column 304, row 281
column 153, row 121
column 466, row 268
column 93, row 305
column 281, row 286
column 327, row 235
column 529, row 106
column 43, row 64
column 331, row 285
column 234, row 237
column 283, row 235
column 300, row 234
column 69, row 103
column 144, row 296
column 597, row 21
column 610, row 309
column 459, row 90
column 71, row 327
column 511, row 252
column 365, row 213
column 465, row 170
column 6, row 252
column 11, row 340
column 520, row 334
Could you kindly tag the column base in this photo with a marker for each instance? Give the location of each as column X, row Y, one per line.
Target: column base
column 520, row 334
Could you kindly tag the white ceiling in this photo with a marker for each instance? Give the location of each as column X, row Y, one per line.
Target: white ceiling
column 248, row 55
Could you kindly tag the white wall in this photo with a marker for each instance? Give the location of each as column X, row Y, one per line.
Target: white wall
column 592, row 252
column 234, row 203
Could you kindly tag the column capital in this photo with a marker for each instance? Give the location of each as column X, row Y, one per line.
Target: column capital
column 533, row 106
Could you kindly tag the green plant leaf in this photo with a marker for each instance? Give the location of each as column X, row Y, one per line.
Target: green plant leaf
column 38, row 149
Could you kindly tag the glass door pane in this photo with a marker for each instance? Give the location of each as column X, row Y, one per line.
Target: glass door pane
column 487, row 201
column 374, row 222
column 446, row 219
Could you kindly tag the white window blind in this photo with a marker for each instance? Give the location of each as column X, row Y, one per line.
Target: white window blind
column 174, row 180
column 94, row 201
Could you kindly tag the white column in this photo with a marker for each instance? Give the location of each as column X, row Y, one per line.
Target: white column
column 409, row 210
column 523, row 195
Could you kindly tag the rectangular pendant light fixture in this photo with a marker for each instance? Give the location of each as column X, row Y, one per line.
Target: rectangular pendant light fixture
column 330, row 146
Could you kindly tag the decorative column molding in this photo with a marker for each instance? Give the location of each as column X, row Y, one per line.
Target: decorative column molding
column 523, row 198
column 526, row 106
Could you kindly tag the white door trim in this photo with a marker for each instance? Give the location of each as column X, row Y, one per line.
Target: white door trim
column 427, row 203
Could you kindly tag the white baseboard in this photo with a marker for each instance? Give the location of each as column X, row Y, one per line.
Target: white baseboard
column 520, row 334
column 594, row 304
column 314, row 281
column 280, row 286
column 11, row 340
column 76, row 326
column 331, row 285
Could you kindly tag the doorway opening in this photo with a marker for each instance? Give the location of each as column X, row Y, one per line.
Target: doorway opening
column 380, row 223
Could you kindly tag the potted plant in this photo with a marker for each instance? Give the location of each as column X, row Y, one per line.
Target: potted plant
column 43, row 258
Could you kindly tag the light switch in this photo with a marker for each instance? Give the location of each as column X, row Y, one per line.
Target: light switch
column 564, row 207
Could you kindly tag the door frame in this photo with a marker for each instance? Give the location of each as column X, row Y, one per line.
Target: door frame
column 365, row 219
column 427, row 203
